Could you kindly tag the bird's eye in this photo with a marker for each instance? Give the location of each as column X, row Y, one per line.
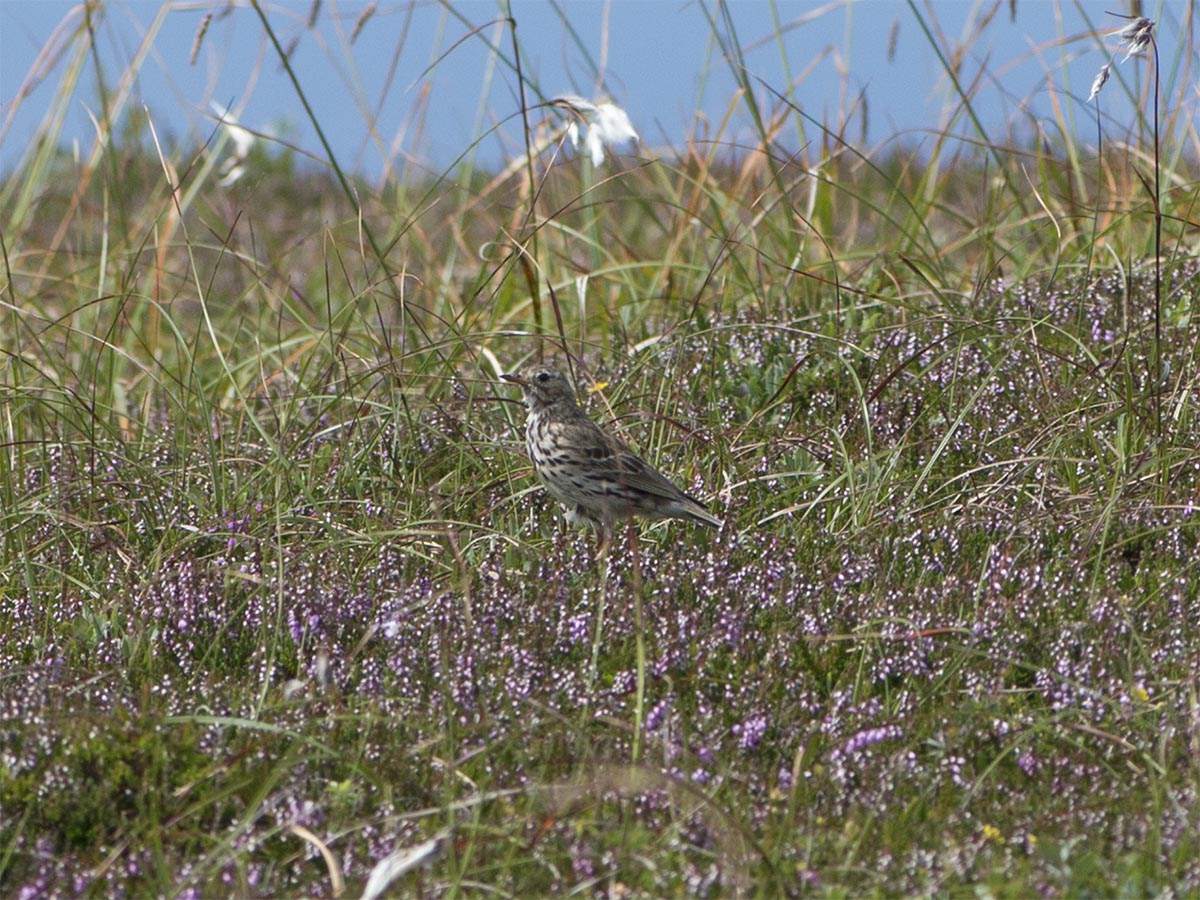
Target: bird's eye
column 543, row 377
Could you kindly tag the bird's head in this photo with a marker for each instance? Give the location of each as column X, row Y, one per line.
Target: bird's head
column 543, row 386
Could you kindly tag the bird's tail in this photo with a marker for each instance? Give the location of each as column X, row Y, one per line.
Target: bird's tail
column 696, row 511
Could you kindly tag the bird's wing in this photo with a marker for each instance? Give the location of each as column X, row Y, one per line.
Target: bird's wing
column 626, row 468
column 638, row 474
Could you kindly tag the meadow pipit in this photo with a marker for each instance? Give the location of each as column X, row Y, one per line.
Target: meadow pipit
column 596, row 478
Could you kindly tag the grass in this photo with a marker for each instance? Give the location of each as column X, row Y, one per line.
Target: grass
column 280, row 595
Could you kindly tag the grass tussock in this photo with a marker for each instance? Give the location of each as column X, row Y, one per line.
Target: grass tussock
column 282, row 601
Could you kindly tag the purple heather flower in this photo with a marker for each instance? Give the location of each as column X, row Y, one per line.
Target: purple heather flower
column 861, row 740
column 750, row 732
column 784, row 779
column 582, row 865
column 657, row 714
column 1028, row 763
column 577, row 629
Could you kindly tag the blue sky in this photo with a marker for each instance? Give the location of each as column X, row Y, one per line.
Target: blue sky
column 418, row 71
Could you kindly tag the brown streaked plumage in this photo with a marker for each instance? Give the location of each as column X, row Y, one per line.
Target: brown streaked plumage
column 592, row 473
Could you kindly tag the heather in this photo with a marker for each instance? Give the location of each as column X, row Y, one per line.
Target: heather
column 281, row 597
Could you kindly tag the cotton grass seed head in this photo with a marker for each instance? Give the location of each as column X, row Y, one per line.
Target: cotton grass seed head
column 1136, row 36
column 603, row 124
column 233, row 168
column 1100, row 80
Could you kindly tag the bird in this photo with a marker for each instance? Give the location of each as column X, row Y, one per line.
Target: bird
column 593, row 474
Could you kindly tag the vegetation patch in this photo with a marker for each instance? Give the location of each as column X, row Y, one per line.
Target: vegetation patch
column 284, row 604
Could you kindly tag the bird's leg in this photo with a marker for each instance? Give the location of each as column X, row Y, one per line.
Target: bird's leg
column 604, row 544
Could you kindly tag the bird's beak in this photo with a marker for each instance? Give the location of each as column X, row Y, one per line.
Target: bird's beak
column 516, row 379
